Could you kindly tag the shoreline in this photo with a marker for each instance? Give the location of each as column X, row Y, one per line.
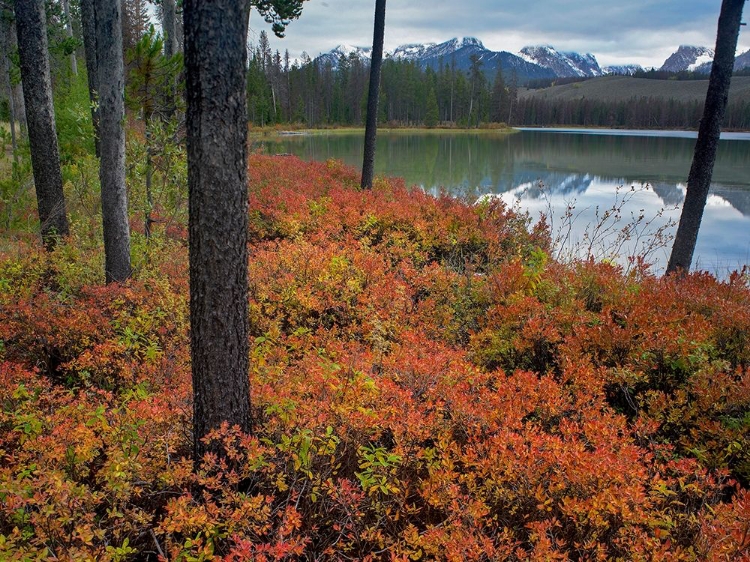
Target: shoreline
column 265, row 132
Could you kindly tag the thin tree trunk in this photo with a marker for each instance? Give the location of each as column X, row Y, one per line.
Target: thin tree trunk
column 171, row 46
column 701, row 170
column 6, row 23
column 215, row 34
column 40, row 116
column 12, row 122
column 18, row 99
column 112, row 142
column 169, row 25
column 88, row 22
column 148, row 219
column 371, row 127
column 69, row 29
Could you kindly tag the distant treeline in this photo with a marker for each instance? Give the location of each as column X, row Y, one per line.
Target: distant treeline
column 316, row 94
column 654, row 74
column 640, row 113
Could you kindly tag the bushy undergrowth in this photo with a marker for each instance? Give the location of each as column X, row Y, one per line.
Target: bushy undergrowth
column 426, row 384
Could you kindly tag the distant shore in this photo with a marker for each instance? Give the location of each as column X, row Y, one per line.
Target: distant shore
column 256, row 132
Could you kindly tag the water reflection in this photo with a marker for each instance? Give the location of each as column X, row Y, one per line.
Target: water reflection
column 543, row 171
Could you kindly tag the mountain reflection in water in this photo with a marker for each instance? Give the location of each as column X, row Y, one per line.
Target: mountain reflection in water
column 543, row 171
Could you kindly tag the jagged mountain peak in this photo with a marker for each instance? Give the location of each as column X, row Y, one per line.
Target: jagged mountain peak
column 688, row 57
column 742, row 61
column 533, row 62
column 533, row 49
column 333, row 56
column 346, row 50
column 623, row 69
column 562, row 64
column 411, row 50
column 470, row 42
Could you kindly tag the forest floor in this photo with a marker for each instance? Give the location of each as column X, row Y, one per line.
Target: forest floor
column 427, row 382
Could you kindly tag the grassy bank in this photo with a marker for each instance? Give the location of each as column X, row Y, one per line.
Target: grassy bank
column 280, row 130
column 427, row 383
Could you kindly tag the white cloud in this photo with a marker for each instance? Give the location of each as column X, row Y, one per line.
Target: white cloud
column 633, row 31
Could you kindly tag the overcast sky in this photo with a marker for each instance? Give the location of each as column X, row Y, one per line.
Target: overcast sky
column 645, row 32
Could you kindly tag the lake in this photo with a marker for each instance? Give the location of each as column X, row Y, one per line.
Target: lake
column 609, row 193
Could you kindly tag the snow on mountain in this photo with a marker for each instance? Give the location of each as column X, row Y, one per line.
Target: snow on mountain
column 700, row 61
column 467, row 45
column 563, row 64
column 533, row 62
column 459, row 52
column 742, row 61
column 688, row 57
column 412, row 51
column 622, row 69
column 334, row 55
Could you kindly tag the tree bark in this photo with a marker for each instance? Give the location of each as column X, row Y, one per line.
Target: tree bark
column 110, row 74
column 169, row 28
column 171, row 46
column 18, row 101
column 215, row 35
column 699, row 178
column 371, row 126
column 40, row 117
column 88, row 22
column 69, row 29
column 6, row 24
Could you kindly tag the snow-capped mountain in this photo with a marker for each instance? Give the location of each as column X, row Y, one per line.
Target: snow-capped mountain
column 413, row 51
column 742, row 61
column 459, row 52
column 561, row 63
column 623, row 69
column 688, row 57
column 700, row 59
column 532, row 63
column 334, row 55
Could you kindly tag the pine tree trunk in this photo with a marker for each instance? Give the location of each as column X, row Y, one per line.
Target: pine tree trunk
column 88, row 22
column 6, row 24
column 699, row 178
column 40, row 117
column 12, row 122
column 69, row 30
column 110, row 74
column 171, row 46
column 215, row 35
column 169, row 25
column 18, row 102
column 371, row 127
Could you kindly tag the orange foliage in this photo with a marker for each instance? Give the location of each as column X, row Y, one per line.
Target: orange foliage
column 426, row 384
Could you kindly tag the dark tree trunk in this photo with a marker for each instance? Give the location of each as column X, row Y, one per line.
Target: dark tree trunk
column 40, row 117
column 88, row 22
column 110, row 74
column 215, row 35
column 371, row 126
column 699, row 178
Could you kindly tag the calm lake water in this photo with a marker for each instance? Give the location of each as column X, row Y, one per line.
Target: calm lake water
column 630, row 183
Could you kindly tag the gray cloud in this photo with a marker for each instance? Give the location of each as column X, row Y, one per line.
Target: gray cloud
column 628, row 31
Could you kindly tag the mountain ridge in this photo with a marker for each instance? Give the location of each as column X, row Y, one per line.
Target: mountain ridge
column 531, row 63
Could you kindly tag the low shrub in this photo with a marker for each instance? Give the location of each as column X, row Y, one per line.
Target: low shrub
column 427, row 383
